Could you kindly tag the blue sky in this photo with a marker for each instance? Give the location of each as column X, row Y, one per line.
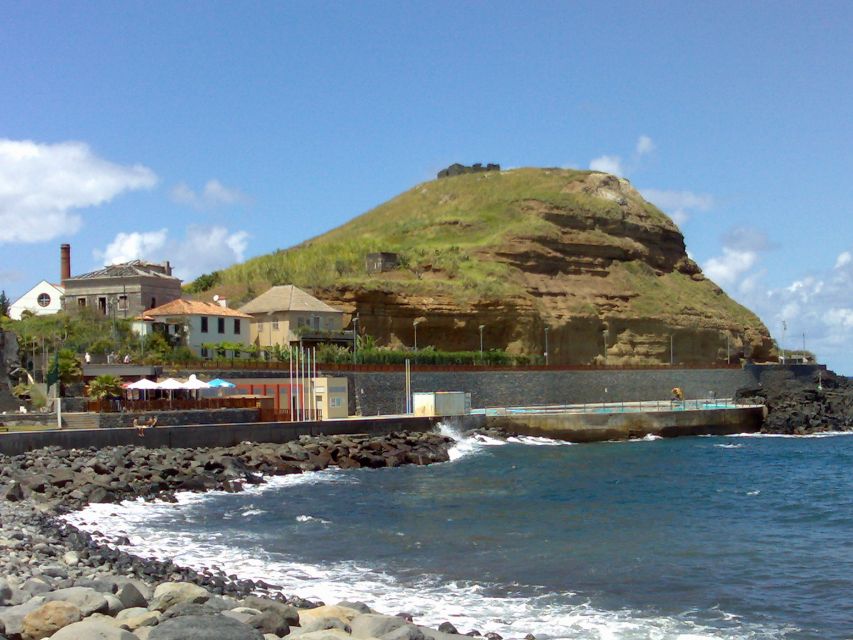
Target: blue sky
column 206, row 133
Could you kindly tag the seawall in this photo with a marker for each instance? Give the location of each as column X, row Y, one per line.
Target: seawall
column 597, row 427
column 213, row 435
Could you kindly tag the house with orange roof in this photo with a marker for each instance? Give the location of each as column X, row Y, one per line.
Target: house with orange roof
column 196, row 324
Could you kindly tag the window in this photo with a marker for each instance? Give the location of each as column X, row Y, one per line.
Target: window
column 220, row 325
column 335, row 402
column 81, row 302
column 204, row 325
column 275, row 325
column 122, row 303
column 102, row 305
column 43, row 299
column 237, row 326
column 153, row 303
column 300, row 321
column 316, row 320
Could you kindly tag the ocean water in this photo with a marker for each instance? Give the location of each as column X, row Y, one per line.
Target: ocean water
column 689, row 538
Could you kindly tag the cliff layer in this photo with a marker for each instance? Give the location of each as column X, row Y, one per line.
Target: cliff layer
column 576, row 259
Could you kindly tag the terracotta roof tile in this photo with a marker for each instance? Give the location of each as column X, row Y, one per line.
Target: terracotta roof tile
column 182, row 307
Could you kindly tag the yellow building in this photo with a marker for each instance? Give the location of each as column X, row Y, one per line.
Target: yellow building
column 286, row 315
column 331, row 396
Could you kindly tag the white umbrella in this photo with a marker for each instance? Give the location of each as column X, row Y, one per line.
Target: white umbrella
column 193, row 383
column 170, row 384
column 143, row 384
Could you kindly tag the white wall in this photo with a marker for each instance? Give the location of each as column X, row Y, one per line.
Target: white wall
column 29, row 301
column 196, row 338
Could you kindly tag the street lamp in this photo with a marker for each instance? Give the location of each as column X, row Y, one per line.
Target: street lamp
column 546, row 346
column 354, row 338
column 415, row 324
column 482, row 326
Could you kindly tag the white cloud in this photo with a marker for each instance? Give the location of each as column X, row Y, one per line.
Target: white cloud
column 42, row 186
column 814, row 306
column 679, row 204
column 201, row 250
column 843, row 260
column 607, row 164
column 645, row 145
column 214, row 194
column 133, row 246
column 726, row 269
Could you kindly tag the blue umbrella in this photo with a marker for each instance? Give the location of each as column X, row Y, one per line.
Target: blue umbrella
column 219, row 382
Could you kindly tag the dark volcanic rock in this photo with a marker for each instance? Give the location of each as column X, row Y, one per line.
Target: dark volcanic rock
column 815, row 402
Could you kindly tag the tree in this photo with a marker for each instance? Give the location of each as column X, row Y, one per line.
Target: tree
column 4, row 304
column 104, row 387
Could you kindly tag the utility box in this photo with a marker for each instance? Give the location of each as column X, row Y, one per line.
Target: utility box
column 441, row 403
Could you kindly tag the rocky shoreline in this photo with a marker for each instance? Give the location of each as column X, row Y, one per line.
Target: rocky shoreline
column 818, row 402
column 60, row 582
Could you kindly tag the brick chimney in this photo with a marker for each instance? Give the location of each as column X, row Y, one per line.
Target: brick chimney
column 64, row 262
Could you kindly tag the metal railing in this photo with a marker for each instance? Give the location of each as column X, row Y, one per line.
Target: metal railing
column 164, row 404
column 644, row 406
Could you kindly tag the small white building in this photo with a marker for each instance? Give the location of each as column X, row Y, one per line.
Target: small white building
column 196, row 325
column 44, row 299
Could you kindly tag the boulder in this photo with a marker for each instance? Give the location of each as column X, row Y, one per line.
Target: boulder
column 5, row 593
column 320, row 624
column 12, row 618
column 324, row 634
column 270, row 621
column 130, row 596
column 48, row 619
column 190, row 609
column 214, row 627
column 406, row 632
column 374, row 625
column 92, row 630
column 344, row 614
column 88, row 600
column 143, row 618
column 286, row 611
column 169, row 594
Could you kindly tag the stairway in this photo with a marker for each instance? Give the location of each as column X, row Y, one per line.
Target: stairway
column 81, row 420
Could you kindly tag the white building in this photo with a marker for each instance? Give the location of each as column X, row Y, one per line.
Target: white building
column 44, row 299
column 197, row 325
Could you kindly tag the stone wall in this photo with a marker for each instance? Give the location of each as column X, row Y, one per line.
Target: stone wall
column 175, row 418
column 375, row 393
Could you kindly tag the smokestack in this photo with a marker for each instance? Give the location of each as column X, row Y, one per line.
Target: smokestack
column 65, row 262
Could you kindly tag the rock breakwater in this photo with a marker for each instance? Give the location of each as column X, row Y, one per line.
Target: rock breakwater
column 818, row 402
column 59, row 582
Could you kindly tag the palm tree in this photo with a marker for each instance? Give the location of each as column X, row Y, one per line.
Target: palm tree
column 104, row 387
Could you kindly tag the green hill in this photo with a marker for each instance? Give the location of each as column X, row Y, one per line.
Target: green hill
column 577, row 252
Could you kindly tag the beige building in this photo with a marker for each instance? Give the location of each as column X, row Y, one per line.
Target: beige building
column 122, row 290
column 286, row 315
column 197, row 325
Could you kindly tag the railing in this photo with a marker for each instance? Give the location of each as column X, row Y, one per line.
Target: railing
column 139, row 406
column 646, row 406
column 275, row 365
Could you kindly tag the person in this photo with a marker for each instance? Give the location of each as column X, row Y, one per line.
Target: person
column 127, row 358
column 142, row 426
column 87, row 358
column 677, row 394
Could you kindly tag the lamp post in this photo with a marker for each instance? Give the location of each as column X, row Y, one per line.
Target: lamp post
column 415, row 324
column 546, row 346
column 355, row 338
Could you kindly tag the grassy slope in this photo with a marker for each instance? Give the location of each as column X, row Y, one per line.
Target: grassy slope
column 447, row 223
